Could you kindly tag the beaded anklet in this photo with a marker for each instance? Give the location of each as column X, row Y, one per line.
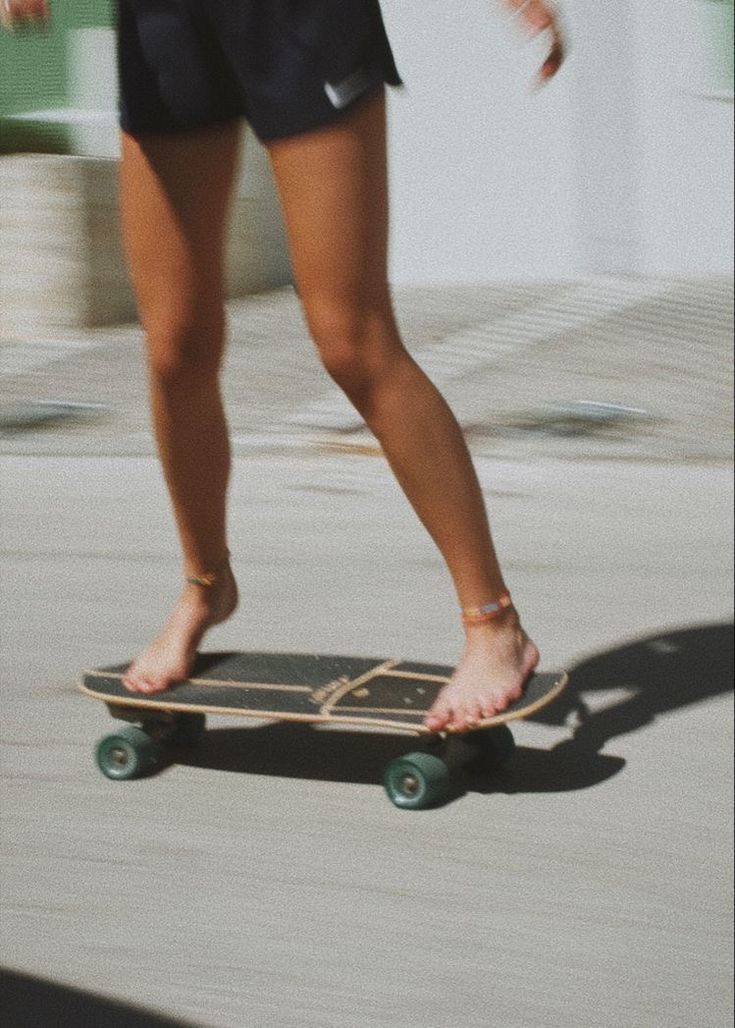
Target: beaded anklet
column 209, row 578
column 490, row 611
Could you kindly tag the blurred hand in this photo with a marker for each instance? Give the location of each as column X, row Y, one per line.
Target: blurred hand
column 15, row 14
column 538, row 16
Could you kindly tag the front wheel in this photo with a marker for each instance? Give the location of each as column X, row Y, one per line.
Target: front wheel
column 416, row 781
column 127, row 754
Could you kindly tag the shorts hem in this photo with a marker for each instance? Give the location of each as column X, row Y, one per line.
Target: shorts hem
column 151, row 129
column 325, row 117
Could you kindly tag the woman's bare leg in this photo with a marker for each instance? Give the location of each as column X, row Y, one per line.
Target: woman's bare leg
column 333, row 187
column 175, row 193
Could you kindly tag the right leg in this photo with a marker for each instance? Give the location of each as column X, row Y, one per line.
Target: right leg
column 175, row 193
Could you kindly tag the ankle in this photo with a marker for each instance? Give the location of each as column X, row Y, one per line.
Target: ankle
column 506, row 621
column 213, row 576
column 489, row 612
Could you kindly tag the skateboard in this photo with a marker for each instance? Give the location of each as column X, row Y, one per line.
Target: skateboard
column 393, row 695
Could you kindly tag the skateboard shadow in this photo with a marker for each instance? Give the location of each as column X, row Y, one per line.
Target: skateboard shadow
column 642, row 679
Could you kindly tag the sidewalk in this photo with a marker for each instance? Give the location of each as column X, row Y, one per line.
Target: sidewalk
column 623, row 571
column 603, row 368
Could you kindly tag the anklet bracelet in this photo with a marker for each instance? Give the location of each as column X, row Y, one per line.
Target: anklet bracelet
column 209, row 577
column 479, row 615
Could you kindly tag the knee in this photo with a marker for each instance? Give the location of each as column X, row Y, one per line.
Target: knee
column 354, row 342
column 182, row 347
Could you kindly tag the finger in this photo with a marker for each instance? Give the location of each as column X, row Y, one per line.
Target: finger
column 20, row 13
column 534, row 14
column 547, row 72
column 552, row 63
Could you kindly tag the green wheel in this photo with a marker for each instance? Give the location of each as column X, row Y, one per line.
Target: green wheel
column 126, row 754
column 188, row 729
column 496, row 747
column 416, row 780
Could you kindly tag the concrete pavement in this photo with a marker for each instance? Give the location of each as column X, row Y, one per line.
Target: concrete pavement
column 266, row 880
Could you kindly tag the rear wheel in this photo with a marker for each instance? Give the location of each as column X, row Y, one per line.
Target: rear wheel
column 495, row 747
column 188, row 729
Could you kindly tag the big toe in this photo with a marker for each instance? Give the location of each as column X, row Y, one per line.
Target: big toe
column 138, row 679
column 135, row 681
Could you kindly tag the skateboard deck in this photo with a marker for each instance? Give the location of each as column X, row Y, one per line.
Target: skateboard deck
column 393, row 695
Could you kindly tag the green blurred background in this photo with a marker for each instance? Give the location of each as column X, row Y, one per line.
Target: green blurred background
column 34, row 75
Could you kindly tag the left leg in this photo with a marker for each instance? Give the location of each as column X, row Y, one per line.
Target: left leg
column 333, row 188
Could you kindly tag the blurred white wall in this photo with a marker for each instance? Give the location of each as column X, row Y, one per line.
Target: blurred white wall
column 685, row 206
column 622, row 164
column 483, row 172
column 92, row 88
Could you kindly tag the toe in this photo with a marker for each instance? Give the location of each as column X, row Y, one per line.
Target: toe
column 508, row 699
column 438, row 718
column 489, row 708
column 459, row 721
column 468, row 716
column 495, row 705
column 473, row 714
column 140, row 682
column 132, row 681
column 154, row 685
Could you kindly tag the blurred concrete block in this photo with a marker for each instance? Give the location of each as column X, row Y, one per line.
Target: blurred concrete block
column 257, row 256
column 93, row 92
column 61, row 263
column 61, row 259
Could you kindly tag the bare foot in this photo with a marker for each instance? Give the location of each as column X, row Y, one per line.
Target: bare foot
column 171, row 655
column 498, row 659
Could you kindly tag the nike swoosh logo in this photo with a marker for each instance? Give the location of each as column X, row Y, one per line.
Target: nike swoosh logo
column 341, row 94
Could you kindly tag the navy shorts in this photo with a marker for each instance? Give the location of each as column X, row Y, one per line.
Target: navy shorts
column 287, row 66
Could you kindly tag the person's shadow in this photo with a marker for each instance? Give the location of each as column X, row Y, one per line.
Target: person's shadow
column 644, row 678
column 27, row 1001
